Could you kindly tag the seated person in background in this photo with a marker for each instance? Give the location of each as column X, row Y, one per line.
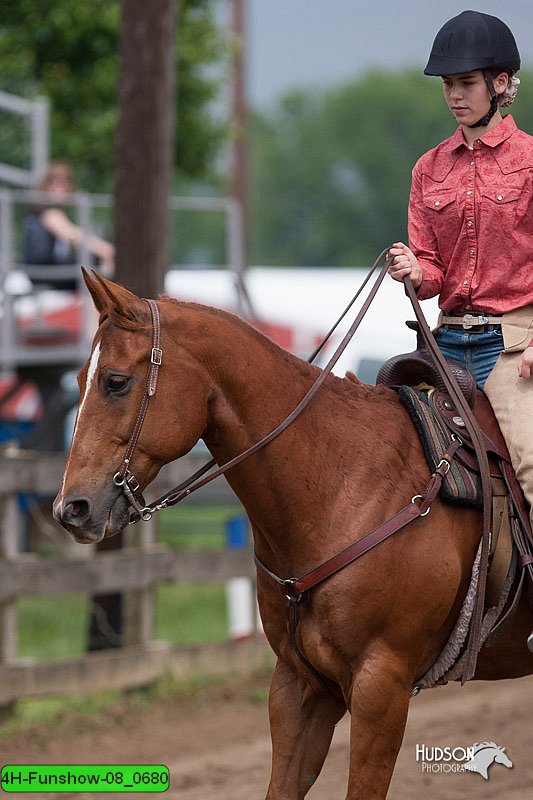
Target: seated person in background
column 49, row 235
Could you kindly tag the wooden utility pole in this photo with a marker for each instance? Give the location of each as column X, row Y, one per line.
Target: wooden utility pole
column 145, row 142
column 239, row 171
column 144, row 160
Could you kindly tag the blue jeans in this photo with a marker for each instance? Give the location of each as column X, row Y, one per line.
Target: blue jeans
column 477, row 351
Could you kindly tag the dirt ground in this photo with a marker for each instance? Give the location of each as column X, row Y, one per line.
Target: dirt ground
column 217, row 744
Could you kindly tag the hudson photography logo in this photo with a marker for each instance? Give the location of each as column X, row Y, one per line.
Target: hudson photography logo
column 476, row 758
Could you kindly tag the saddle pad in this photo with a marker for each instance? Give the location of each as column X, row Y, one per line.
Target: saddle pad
column 460, row 485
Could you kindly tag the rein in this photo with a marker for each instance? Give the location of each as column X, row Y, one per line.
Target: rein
column 297, row 589
column 127, row 480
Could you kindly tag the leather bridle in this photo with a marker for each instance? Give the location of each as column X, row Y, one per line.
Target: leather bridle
column 123, row 477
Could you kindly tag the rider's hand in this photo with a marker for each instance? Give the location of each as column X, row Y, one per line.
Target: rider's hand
column 525, row 365
column 404, row 262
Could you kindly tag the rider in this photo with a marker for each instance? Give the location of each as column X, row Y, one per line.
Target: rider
column 471, row 226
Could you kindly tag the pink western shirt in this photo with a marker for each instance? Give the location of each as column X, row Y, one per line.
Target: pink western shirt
column 471, row 221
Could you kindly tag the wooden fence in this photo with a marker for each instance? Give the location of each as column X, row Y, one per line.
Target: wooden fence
column 135, row 571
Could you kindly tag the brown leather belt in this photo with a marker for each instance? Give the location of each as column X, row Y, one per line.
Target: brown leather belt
column 473, row 322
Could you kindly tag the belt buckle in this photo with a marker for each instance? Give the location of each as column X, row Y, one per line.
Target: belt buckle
column 471, row 320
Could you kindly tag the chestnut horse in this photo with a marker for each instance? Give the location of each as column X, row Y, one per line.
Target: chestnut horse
column 348, row 463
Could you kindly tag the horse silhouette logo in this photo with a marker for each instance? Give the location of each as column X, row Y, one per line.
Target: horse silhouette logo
column 484, row 754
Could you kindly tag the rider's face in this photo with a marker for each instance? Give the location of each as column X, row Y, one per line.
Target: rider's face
column 467, row 94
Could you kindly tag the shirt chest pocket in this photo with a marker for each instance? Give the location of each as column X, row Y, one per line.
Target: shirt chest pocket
column 502, row 196
column 503, row 208
column 440, row 201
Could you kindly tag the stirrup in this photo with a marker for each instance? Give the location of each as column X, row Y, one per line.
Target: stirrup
column 530, row 642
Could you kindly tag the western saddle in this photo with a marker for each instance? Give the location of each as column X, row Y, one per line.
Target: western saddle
column 510, row 512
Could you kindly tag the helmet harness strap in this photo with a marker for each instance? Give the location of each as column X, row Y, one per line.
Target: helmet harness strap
column 494, row 98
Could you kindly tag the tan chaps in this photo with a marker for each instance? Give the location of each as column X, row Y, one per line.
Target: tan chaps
column 512, row 400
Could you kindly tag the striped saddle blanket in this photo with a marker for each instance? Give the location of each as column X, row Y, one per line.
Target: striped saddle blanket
column 462, row 484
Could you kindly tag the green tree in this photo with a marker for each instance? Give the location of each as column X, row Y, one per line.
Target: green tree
column 332, row 169
column 68, row 51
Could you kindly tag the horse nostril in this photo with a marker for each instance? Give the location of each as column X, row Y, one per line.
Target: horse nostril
column 76, row 511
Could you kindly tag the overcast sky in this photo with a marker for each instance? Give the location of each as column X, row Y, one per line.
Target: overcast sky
column 318, row 42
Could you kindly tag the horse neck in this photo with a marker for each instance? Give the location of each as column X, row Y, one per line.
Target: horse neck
column 254, row 387
column 297, row 489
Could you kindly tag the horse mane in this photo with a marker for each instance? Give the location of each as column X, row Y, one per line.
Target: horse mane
column 138, row 319
column 219, row 313
column 477, row 746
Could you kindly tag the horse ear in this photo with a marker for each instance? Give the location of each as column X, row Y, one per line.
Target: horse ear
column 106, row 293
column 96, row 290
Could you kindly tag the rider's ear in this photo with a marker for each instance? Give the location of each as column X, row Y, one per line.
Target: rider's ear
column 105, row 293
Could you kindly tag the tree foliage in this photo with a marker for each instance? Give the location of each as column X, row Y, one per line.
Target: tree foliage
column 68, row 51
column 332, row 169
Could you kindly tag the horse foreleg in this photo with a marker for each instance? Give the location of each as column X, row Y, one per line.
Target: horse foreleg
column 379, row 705
column 302, row 721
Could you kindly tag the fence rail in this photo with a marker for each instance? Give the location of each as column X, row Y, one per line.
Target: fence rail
column 135, row 571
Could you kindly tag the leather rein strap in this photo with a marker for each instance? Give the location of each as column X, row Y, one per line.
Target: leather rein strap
column 197, row 481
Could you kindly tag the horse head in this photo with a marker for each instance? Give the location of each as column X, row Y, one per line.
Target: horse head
column 502, row 758
column 90, row 505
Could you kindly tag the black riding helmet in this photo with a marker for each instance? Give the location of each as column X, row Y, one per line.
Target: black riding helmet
column 470, row 41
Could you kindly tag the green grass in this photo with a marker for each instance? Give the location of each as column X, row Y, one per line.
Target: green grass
column 201, row 527
column 42, row 714
column 56, row 627
column 30, row 711
column 191, row 613
column 52, row 627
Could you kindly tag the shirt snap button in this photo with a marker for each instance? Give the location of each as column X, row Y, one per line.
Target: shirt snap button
column 437, row 202
column 469, row 223
column 500, row 197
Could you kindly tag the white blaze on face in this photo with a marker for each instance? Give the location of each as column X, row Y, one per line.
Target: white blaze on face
column 91, row 372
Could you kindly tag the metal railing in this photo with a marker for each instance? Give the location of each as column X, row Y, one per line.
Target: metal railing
column 16, row 347
column 37, row 113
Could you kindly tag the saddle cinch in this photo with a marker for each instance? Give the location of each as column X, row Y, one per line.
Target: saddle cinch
column 420, row 385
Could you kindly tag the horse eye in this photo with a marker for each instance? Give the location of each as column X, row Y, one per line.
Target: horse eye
column 117, row 383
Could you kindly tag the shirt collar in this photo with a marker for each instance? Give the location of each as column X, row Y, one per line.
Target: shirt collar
column 491, row 138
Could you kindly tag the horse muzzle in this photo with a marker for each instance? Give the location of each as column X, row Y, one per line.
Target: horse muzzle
column 89, row 521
